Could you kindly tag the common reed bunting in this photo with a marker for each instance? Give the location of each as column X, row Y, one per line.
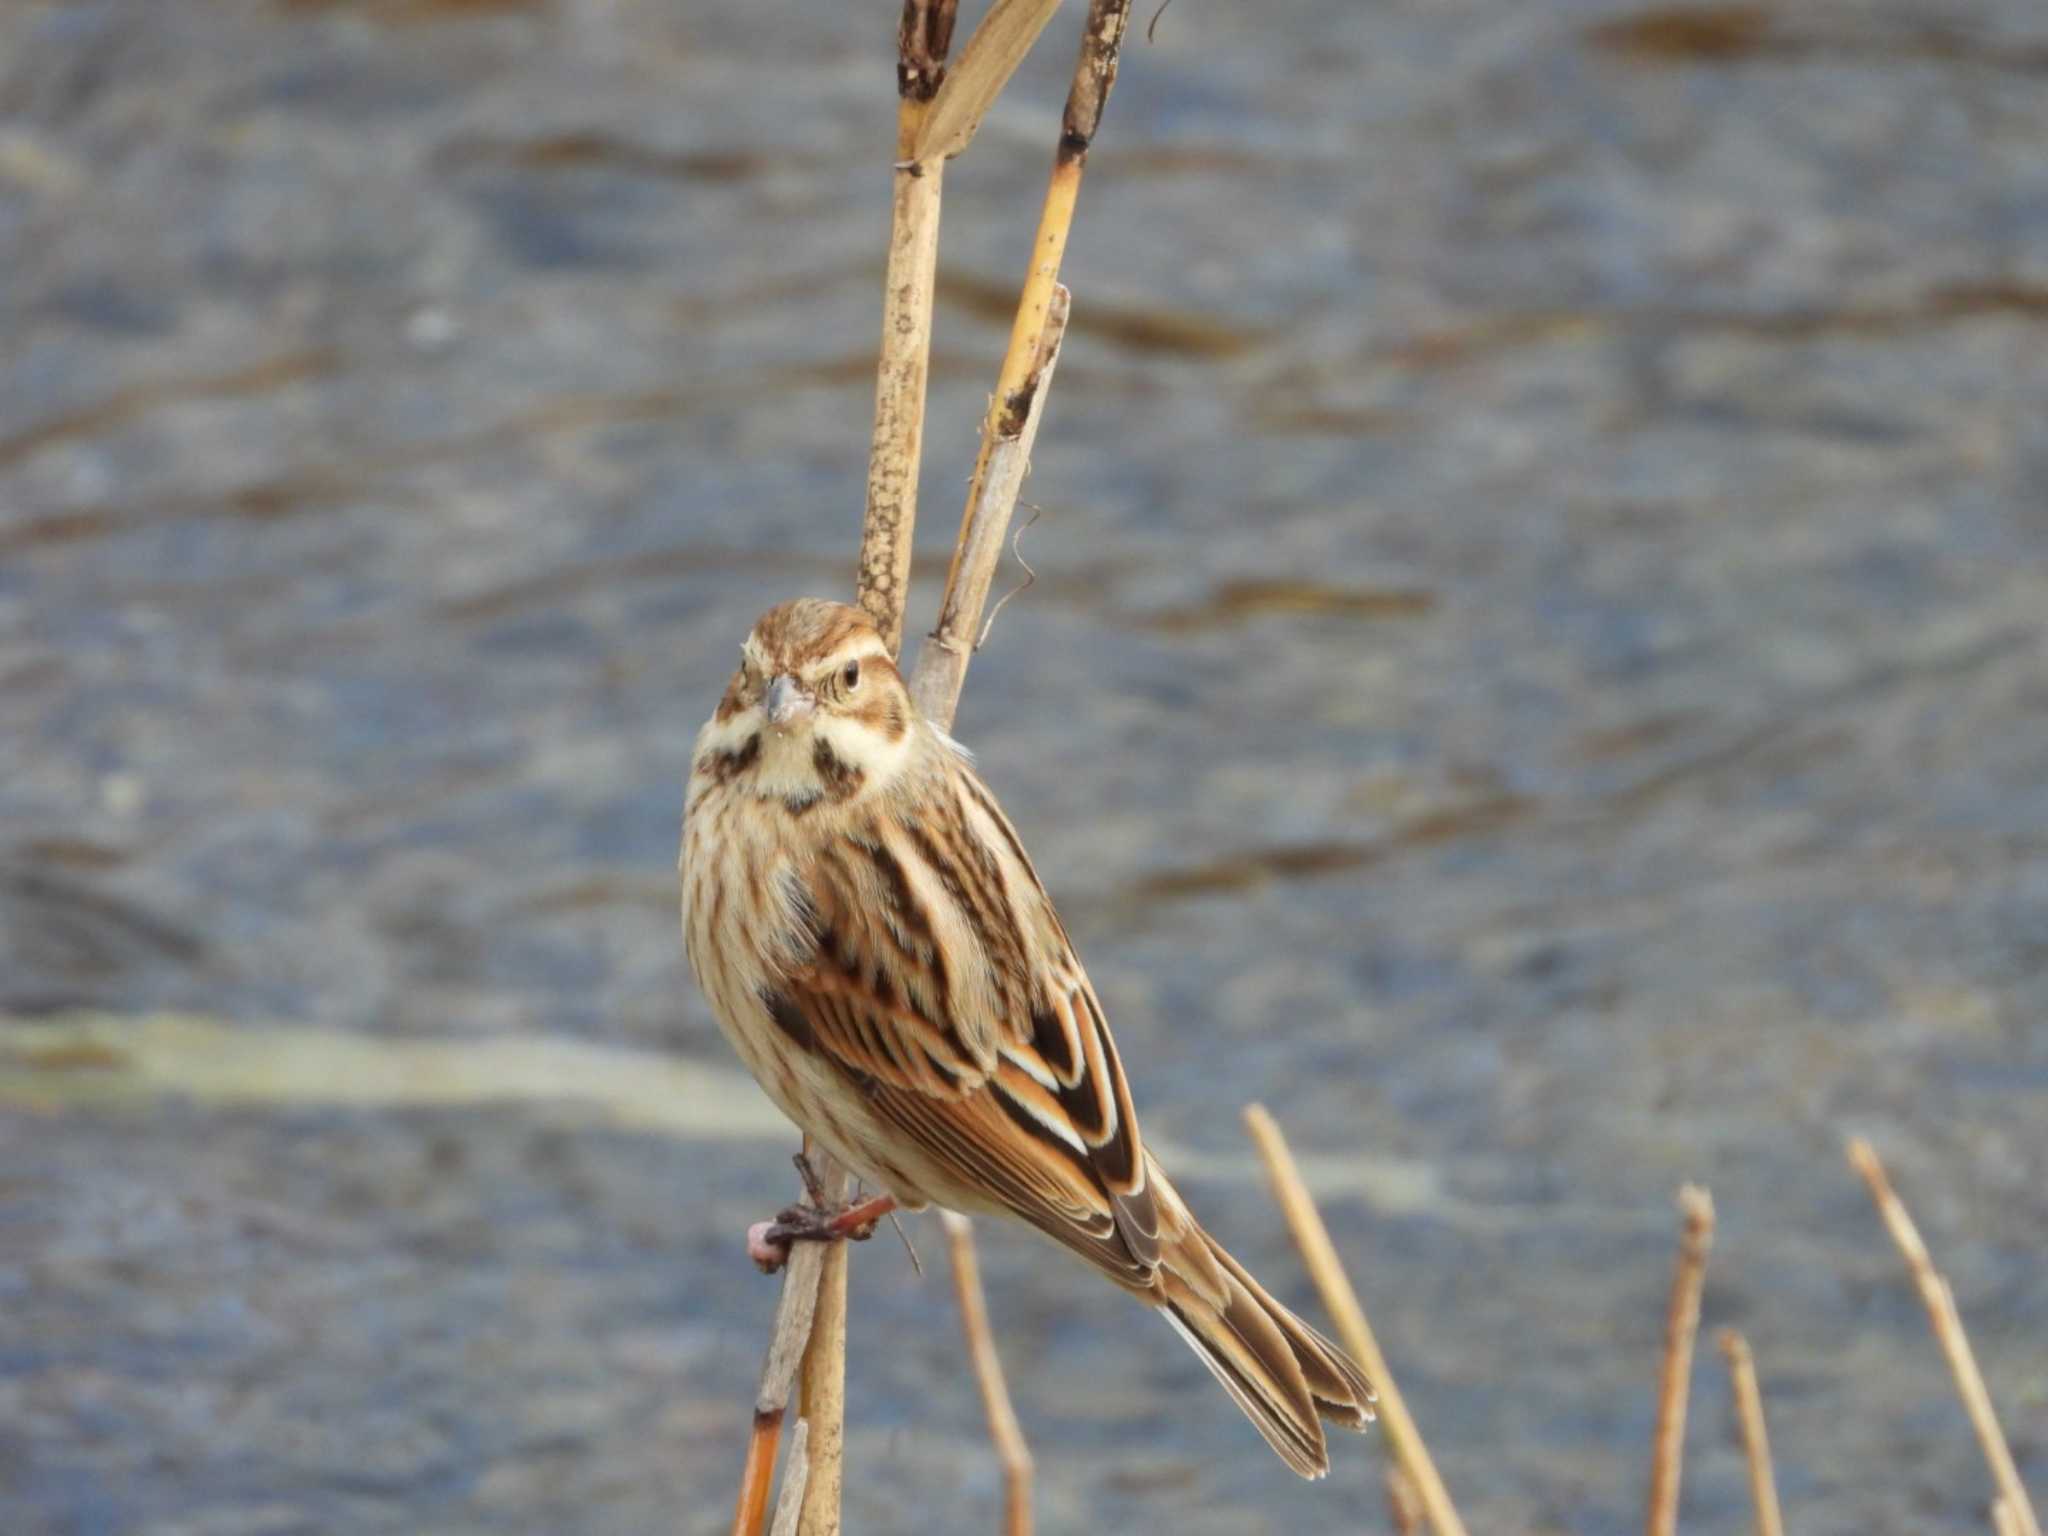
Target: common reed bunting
column 871, row 935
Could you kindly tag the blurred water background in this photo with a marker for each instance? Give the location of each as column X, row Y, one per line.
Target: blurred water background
column 1536, row 671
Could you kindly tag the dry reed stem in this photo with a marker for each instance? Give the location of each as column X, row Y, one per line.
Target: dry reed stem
column 824, row 1399
column 1947, row 1322
column 1404, row 1504
column 1094, row 74
column 882, row 590
column 2004, row 1522
column 757, row 1475
column 789, row 1508
column 942, row 659
column 1319, row 1255
column 1681, row 1327
column 814, row 1285
column 896, row 449
column 1007, row 435
column 1756, row 1440
column 1012, row 1452
column 786, row 1351
column 984, row 67
column 896, row 452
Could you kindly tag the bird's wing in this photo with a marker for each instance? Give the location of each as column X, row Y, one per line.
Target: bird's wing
column 940, row 981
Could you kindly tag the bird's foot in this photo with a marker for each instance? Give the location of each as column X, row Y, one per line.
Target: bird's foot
column 768, row 1242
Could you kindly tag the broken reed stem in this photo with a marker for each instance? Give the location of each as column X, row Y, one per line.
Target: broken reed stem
column 757, row 1476
column 984, row 67
column 789, row 1508
column 1947, row 1322
column 1003, row 1429
column 786, row 1351
column 896, row 450
column 1681, row 1327
column 942, row 659
column 1094, row 74
column 1756, row 1441
column 1319, row 1255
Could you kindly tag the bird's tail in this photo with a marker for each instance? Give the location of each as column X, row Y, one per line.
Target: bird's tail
column 1285, row 1376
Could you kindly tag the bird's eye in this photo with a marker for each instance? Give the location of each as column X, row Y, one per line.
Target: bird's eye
column 849, row 675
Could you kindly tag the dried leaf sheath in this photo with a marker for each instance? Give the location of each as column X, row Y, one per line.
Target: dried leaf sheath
column 1094, row 74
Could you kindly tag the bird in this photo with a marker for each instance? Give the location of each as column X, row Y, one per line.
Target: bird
column 875, row 944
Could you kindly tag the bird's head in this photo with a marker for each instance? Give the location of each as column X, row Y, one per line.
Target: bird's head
column 817, row 712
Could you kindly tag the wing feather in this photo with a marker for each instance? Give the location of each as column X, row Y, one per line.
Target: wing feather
column 940, row 980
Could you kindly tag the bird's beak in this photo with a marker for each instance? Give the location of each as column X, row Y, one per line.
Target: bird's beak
column 787, row 703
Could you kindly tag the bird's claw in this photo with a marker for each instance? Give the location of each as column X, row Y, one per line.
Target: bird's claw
column 768, row 1242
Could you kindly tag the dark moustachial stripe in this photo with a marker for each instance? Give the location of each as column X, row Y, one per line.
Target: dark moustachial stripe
column 724, row 767
column 839, row 777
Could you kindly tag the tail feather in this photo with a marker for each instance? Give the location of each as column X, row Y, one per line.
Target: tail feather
column 1341, row 1392
column 1281, row 1372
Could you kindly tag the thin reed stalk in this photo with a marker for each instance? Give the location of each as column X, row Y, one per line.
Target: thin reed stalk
column 942, row 659
column 1404, row 1504
column 1681, row 1328
column 789, row 1508
column 1756, row 1440
column 1940, row 1301
column 787, row 1345
column 1094, row 75
column 1319, row 1254
column 824, row 1400
column 1012, row 1452
column 896, row 450
column 933, row 123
